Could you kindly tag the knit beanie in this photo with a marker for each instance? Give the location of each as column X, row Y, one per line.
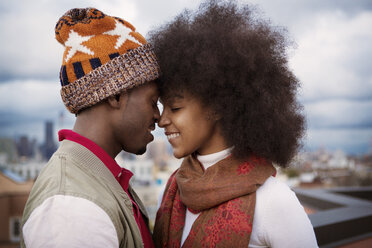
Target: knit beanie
column 104, row 56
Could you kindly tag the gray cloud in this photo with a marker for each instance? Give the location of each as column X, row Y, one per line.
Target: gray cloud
column 339, row 114
column 354, row 141
column 28, row 47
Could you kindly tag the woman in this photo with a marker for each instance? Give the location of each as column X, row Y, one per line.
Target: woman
column 230, row 111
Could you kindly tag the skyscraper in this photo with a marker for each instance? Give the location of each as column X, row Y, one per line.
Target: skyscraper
column 49, row 146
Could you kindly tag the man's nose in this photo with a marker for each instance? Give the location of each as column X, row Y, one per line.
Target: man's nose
column 156, row 115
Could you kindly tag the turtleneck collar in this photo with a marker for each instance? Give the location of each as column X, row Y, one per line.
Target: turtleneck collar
column 211, row 159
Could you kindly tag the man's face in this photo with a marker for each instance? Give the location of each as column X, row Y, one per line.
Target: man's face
column 137, row 119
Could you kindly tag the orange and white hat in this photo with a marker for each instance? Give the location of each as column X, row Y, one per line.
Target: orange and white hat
column 104, row 56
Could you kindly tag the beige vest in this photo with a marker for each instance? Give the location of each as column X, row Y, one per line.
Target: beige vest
column 76, row 171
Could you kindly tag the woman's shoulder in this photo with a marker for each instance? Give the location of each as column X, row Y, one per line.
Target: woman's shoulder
column 280, row 219
column 274, row 189
column 275, row 198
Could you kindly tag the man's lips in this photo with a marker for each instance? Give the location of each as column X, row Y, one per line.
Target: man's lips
column 152, row 127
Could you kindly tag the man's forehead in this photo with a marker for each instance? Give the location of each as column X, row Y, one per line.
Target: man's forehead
column 154, row 87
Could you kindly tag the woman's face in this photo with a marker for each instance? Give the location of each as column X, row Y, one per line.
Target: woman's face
column 190, row 127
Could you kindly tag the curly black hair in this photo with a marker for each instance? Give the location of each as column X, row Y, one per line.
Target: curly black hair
column 236, row 63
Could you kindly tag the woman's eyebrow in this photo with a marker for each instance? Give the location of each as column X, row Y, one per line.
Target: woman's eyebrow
column 171, row 99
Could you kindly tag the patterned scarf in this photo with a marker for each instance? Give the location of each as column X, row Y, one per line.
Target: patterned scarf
column 225, row 196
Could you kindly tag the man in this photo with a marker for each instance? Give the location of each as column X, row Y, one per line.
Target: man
column 82, row 197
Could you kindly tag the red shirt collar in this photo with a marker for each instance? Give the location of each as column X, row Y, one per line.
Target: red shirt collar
column 122, row 175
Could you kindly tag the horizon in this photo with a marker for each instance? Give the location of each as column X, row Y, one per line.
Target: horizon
column 39, row 136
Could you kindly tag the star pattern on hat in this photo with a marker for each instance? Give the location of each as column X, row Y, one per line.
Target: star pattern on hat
column 75, row 41
column 123, row 32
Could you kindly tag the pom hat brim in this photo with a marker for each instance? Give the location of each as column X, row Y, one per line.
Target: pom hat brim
column 120, row 74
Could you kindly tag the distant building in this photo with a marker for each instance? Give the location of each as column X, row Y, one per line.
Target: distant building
column 26, row 148
column 157, row 150
column 339, row 160
column 8, row 151
column 162, row 174
column 126, row 156
column 142, row 170
column 49, row 146
column 14, row 192
column 28, row 170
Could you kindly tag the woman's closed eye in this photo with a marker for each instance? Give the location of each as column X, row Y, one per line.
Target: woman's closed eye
column 175, row 109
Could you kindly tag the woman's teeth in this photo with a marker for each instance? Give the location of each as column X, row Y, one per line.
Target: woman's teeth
column 173, row 135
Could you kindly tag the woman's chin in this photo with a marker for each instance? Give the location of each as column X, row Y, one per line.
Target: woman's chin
column 176, row 155
column 179, row 154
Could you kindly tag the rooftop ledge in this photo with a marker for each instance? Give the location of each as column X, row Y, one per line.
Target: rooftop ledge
column 339, row 215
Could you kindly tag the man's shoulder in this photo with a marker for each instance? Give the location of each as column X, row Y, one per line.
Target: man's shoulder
column 63, row 176
column 75, row 171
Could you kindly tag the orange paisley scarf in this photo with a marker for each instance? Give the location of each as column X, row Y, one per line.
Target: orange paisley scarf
column 225, row 196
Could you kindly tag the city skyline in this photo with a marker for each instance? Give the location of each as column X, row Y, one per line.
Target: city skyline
column 330, row 55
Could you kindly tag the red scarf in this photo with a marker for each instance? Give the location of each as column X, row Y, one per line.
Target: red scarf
column 225, row 195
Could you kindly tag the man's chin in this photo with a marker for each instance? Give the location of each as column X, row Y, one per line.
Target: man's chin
column 141, row 151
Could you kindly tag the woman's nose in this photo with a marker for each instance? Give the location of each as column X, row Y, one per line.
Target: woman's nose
column 164, row 120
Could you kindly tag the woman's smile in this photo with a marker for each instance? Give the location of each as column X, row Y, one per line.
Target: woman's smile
column 172, row 135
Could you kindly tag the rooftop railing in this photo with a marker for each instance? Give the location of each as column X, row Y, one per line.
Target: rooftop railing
column 341, row 215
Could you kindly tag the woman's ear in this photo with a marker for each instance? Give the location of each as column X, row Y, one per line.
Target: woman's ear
column 217, row 116
column 118, row 101
column 212, row 115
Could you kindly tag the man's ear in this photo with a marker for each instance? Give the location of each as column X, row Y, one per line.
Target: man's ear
column 118, row 101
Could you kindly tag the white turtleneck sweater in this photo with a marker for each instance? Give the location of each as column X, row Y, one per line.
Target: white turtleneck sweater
column 279, row 219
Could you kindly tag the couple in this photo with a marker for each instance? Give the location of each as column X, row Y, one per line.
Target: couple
column 229, row 111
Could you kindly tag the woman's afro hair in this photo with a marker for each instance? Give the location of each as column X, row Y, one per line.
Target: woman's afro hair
column 236, row 64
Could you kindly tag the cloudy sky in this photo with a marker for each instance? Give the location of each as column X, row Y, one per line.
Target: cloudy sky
column 331, row 57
